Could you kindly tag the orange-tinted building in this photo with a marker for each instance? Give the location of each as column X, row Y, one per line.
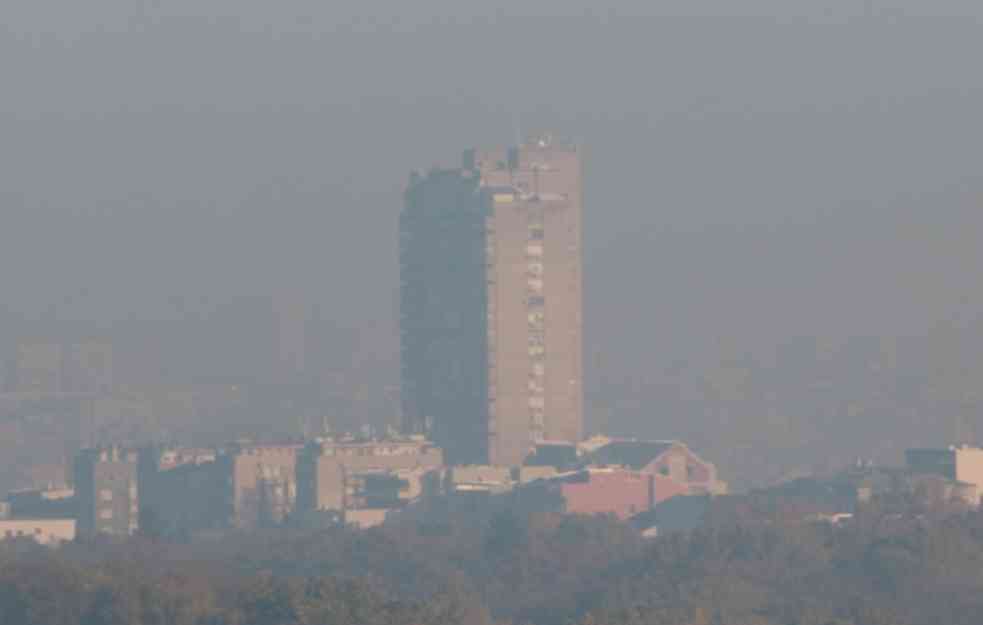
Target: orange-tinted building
column 616, row 491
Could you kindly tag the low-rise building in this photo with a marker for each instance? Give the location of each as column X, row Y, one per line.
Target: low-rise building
column 671, row 459
column 477, row 478
column 561, row 455
column 107, row 491
column 616, row 491
column 333, row 474
column 962, row 464
column 526, row 474
column 390, row 488
column 49, row 532
column 181, row 490
column 43, row 503
column 259, row 480
column 364, row 518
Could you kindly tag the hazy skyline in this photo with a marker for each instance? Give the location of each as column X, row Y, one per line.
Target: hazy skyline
column 771, row 172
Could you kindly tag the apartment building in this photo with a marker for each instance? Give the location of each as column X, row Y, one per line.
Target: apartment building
column 491, row 303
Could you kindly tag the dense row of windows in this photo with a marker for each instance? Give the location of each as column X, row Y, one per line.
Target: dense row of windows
column 536, row 325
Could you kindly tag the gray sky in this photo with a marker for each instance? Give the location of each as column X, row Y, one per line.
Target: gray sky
column 756, row 171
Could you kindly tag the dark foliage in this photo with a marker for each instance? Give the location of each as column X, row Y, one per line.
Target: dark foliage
column 885, row 568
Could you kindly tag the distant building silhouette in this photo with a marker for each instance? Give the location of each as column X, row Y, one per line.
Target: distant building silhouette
column 58, row 364
column 491, row 312
column 106, row 490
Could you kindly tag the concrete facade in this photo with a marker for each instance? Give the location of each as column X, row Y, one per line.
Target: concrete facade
column 48, row 503
column 477, row 478
column 619, row 492
column 181, row 490
column 260, row 482
column 366, row 517
column 963, row 464
column 107, row 492
column 51, row 532
column 331, row 474
column 491, row 303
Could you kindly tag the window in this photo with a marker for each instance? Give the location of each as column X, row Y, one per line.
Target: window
column 105, row 495
column 537, row 300
column 106, row 514
column 536, row 234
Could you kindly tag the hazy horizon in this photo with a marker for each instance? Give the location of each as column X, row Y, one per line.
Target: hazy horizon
column 765, row 174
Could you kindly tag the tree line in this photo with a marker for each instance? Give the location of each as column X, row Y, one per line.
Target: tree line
column 883, row 568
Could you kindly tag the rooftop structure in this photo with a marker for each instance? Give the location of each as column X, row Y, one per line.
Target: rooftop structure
column 331, row 472
column 671, row 459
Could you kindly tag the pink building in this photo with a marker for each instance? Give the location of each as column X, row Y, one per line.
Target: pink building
column 668, row 459
column 617, row 491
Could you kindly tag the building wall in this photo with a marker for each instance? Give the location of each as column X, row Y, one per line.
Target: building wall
column 366, row 518
column 529, row 474
column 962, row 464
column 443, row 306
column 969, row 468
column 261, row 481
column 181, row 490
column 477, row 474
column 684, row 467
column 326, row 471
column 535, row 286
column 55, row 503
column 106, row 487
column 510, row 432
column 621, row 493
column 44, row 531
column 664, row 488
